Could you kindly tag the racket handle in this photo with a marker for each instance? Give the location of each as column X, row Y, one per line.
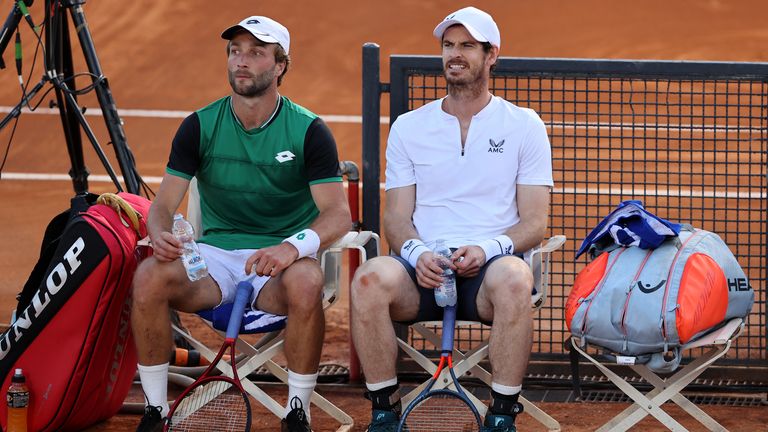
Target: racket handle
column 238, row 308
column 449, row 324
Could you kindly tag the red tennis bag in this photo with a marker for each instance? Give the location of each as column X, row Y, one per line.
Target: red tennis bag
column 72, row 334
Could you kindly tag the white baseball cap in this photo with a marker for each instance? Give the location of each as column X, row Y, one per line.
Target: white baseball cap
column 262, row 28
column 479, row 24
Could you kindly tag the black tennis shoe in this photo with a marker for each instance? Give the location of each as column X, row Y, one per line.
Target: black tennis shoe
column 383, row 421
column 498, row 423
column 152, row 421
column 296, row 420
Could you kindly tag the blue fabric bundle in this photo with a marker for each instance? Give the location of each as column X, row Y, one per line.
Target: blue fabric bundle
column 629, row 225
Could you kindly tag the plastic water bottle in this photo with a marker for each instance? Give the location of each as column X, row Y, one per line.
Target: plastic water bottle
column 191, row 258
column 445, row 294
column 18, row 403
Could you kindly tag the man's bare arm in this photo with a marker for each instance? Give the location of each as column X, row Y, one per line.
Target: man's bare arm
column 533, row 207
column 398, row 216
column 164, row 205
column 334, row 219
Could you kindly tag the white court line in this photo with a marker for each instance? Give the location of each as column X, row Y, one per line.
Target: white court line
column 562, row 191
column 98, row 178
column 357, row 119
column 170, row 114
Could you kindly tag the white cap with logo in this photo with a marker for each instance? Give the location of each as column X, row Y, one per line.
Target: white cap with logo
column 479, row 24
column 262, row 28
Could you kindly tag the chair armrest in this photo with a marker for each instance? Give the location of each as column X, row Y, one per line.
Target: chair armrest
column 330, row 258
column 538, row 259
column 553, row 243
column 354, row 240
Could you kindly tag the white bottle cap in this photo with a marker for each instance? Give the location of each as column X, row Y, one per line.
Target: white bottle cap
column 18, row 371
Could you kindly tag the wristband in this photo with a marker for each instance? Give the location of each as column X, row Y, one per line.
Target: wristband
column 499, row 245
column 412, row 250
column 306, row 241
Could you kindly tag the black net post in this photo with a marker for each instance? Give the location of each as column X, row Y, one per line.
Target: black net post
column 372, row 89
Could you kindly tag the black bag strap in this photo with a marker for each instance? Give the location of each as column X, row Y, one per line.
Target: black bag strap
column 51, row 238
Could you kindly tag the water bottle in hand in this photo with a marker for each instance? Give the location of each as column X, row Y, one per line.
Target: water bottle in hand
column 445, row 294
column 191, row 258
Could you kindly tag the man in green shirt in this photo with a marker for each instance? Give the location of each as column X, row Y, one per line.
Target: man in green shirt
column 270, row 195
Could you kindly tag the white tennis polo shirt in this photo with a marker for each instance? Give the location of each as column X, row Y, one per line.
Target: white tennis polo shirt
column 470, row 197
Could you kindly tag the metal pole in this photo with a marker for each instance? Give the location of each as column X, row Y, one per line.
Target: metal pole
column 371, row 137
column 349, row 169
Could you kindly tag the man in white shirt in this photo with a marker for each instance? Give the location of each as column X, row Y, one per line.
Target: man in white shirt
column 476, row 171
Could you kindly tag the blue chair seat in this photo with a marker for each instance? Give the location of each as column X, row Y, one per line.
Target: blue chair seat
column 254, row 321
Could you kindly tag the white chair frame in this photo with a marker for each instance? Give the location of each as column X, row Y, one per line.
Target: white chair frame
column 469, row 362
column 669, row 388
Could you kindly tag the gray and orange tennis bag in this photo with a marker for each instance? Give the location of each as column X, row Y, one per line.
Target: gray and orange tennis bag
column 647, row 302
column 72, row 334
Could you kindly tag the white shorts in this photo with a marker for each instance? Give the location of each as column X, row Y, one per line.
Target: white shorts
column 227, row 268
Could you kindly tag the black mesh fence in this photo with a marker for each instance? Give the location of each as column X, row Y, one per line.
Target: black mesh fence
column 688, row 139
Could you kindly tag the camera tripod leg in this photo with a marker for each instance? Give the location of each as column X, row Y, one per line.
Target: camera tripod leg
column 60, row 70
column 107, row 103
column 75, row 114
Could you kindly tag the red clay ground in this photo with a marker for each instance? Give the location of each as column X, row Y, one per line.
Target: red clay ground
column 168, row 56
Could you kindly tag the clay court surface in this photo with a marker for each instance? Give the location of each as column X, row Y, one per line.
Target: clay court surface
column 167, row 55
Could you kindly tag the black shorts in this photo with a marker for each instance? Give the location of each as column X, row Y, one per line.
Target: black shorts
column 467, row 289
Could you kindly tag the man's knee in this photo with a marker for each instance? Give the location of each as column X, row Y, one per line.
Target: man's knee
column 510, row 277
column 304, row 282
column 152, row 279
column 374, row 280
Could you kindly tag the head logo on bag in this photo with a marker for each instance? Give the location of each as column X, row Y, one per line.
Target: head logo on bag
column 647, row 288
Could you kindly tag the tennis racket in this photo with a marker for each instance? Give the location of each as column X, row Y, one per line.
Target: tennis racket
column 442, row 410
column 213, row 401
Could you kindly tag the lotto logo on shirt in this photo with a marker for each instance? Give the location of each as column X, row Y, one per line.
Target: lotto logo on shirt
column 284, row 156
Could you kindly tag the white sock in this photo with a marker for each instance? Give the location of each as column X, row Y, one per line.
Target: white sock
column 154, row 382
column 372, row 387
column 505, row 389
column 300, row 386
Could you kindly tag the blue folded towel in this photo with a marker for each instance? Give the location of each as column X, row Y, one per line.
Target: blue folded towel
column 630, row 225
column 254, row 321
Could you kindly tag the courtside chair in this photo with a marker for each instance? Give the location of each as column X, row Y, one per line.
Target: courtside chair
column 469, row 362
column 668, row 388
column 261, row 353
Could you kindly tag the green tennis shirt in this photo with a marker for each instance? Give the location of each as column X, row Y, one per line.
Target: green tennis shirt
column 254, row 184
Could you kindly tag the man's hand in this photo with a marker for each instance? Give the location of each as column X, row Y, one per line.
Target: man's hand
column 166, row 247
column 272, row 260
column 429, row 274
column 468, row 260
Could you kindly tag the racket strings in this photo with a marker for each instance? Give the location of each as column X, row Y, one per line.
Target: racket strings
column 213, row 406
column 441, row 413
